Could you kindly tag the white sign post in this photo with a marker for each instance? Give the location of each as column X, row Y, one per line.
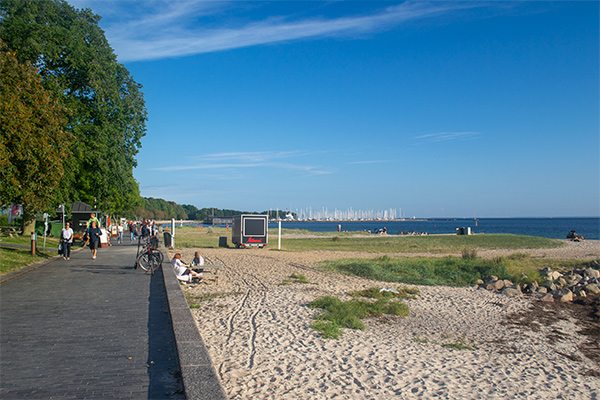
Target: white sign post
column 279, row 240
column 45, row 228
column 172, row 232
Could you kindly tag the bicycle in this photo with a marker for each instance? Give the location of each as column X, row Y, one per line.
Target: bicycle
column 149, row 258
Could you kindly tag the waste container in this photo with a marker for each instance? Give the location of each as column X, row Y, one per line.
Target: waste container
column 222, row 241
column 167, row 238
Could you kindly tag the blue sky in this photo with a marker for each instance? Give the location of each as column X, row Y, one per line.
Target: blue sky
column 440, row 109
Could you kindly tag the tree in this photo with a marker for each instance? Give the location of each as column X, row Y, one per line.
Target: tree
column 108, row 114
column 33, row 142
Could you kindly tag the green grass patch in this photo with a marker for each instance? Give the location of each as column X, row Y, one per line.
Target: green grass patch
column 430, row 271
column 295, row 278
column 459, row 344
column 439, row 244
column 337, row 314
column 12, row 259
column 450, row 271
column 377, row 293
column 194, row 300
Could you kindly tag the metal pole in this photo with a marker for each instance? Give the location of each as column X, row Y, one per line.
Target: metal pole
column 172, row 232
column 279, row 240
column 45, row 228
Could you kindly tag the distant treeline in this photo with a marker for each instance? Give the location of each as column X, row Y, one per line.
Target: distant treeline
column 162, row 209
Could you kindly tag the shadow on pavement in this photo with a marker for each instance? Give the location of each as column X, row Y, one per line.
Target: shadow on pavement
column 163, row 364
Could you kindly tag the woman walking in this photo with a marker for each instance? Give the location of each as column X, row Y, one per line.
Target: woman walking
column 66, row 237
column 94, row 234
column 120, row 233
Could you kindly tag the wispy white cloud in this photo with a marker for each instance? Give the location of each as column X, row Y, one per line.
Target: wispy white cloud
column 368, row 162
column 166, row 29
column 247, row 160
column 443, row 136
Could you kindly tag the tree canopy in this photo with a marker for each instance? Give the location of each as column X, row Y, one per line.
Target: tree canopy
column 107, row 114
column 34, row 143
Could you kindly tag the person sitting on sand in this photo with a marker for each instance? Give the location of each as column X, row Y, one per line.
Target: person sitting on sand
column 575, row 237
column 198, row 259
column 182, row 270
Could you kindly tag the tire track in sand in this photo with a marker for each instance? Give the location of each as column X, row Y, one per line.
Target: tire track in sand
column 245, row 303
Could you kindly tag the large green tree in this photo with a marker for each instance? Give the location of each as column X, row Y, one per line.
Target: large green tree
column 34, row 144
column 108, row 114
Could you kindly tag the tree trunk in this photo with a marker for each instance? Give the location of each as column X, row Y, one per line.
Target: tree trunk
column 28, row 221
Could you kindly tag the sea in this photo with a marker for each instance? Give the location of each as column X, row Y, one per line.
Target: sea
column 556, row 228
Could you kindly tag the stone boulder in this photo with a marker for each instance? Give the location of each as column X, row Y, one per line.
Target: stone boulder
column 548, row 284
column 512, row 291
column 592, row 273
column 547, row 297
column 564, row 295
column 591, row 288
column 494, row 285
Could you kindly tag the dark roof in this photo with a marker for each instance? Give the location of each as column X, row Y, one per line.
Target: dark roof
column 81, row 207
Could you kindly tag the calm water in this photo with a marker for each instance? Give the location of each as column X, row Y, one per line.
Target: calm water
column 556, row 228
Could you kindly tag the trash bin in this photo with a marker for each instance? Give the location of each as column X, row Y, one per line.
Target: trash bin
column 223, row 241
column 167, row 239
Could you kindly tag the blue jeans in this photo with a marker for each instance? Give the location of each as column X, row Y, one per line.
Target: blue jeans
column 67, row 249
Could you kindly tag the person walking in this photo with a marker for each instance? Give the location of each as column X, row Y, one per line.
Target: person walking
column 120, row 233
column 94, row 234
column 66, row 237
column 132, row 231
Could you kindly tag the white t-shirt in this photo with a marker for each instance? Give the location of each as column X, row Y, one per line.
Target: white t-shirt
column 180, row 270
column 67, row 234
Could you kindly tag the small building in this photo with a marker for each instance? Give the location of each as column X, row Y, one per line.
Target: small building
column 80, row 215
column 211, row 220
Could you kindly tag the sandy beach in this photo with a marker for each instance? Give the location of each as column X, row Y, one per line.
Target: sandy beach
column 259, row 337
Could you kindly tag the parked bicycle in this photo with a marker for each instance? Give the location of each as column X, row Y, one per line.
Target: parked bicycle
column 148, row 257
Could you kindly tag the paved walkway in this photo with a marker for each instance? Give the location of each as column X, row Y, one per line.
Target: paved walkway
column 88, row 329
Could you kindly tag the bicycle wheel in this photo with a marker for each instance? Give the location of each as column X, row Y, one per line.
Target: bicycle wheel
column 144, row 261
column 150, row 260
column 155, row 260
column 159, row 254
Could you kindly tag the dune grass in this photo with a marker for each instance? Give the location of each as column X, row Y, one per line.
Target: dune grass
column 337, row 314
column 448, row 271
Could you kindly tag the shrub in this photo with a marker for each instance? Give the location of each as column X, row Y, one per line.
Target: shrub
column 469, row 253
column 337, row 314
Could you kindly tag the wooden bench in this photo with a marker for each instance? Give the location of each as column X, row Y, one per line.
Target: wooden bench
column 7, row 231
column 209, row 272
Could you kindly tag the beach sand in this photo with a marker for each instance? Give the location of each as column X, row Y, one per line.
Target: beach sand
column 258, row 335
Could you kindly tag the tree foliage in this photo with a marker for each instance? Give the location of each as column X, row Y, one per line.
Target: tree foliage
column 108, row 114
column 34, row 143
column 162, row 209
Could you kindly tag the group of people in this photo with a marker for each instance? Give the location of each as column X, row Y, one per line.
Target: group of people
column 143, row 229
column 574, row 237
column 93, row 232
column 92, row 237
column 185, row 272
